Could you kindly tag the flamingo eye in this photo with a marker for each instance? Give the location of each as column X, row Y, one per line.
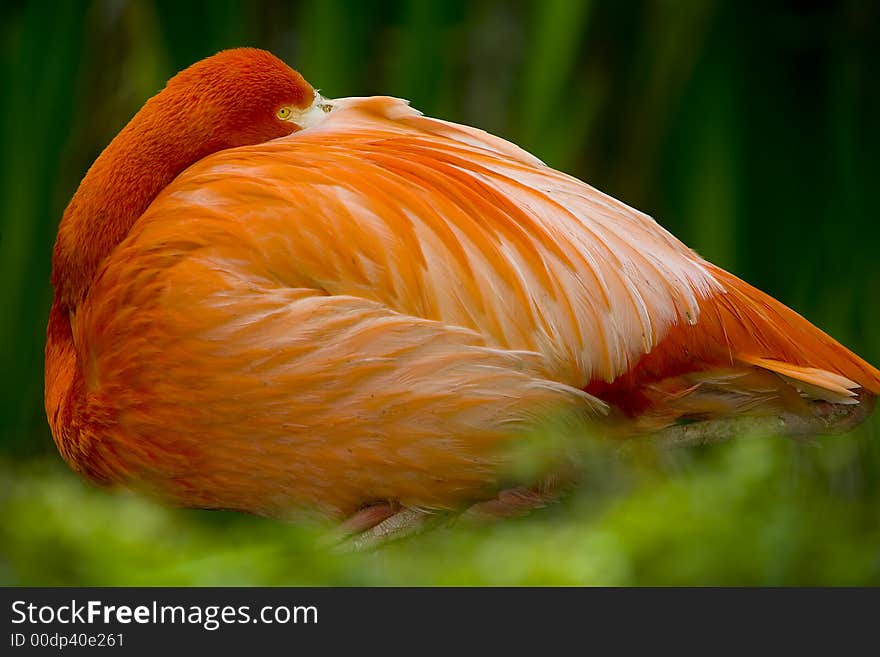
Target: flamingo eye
column 283, row 113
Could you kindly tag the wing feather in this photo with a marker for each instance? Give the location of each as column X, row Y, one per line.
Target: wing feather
column 251, row 401
column 449, row 223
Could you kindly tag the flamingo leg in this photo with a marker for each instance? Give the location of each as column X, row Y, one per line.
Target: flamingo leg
column 825, row 418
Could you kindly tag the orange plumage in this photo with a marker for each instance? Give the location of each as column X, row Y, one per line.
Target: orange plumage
column 256, row 316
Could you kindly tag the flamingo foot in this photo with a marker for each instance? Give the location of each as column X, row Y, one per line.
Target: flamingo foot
column 378, row 525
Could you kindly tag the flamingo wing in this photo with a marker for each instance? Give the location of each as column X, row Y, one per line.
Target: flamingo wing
column 448, row 223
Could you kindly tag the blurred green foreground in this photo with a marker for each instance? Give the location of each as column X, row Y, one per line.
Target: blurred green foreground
column 750, row 132
column 762, row 511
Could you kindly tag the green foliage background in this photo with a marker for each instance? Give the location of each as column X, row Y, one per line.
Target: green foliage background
column 748, row 129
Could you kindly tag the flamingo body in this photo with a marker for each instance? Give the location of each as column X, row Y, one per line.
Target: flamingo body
column 376, row 307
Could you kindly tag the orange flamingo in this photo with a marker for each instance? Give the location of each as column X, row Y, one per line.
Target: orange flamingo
column 274, row 303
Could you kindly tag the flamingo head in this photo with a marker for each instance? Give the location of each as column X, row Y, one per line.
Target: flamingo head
column 239, row 97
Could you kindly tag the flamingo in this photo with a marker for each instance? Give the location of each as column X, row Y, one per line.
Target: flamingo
column 275, row 303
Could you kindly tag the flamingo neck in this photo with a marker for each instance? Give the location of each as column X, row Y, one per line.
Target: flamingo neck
column 137, row 165
column 141, row 161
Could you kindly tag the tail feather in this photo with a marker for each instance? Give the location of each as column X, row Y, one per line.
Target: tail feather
column 747, row 354
column 815, row 383
column 761, row 331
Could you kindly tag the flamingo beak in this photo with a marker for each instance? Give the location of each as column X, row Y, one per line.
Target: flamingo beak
column 314, row 113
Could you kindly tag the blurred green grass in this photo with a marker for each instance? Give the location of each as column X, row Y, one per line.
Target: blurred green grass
column 749, row 131
column 731, row 515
